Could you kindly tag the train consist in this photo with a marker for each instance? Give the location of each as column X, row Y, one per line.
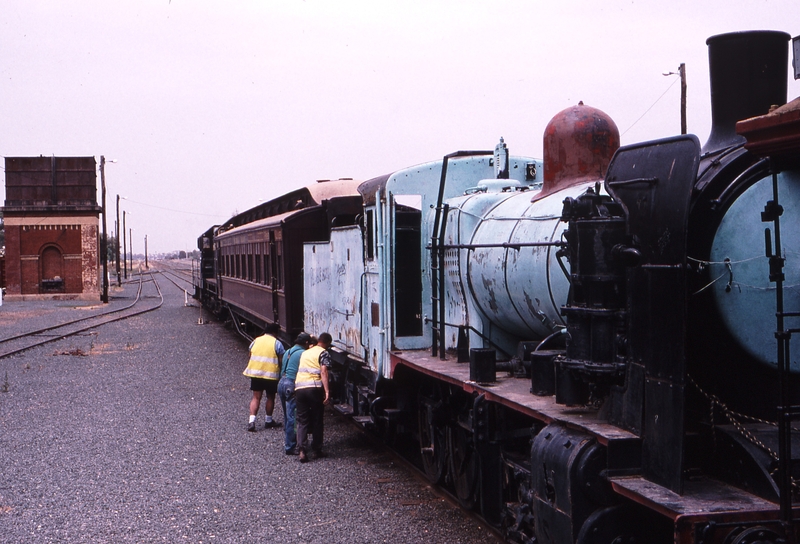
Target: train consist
column 592, row 348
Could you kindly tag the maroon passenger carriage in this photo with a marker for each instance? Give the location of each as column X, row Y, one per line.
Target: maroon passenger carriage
column 256, row 275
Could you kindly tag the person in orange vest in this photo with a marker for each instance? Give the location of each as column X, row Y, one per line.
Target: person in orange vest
column 264, row 371
column 312, row 393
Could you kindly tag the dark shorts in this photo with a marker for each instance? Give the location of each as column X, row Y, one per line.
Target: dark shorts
column 260, row 384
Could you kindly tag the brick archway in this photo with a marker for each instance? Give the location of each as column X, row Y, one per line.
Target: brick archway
column 51, row 269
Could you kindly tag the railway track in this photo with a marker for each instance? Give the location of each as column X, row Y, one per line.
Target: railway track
column 180, row 277
column 21, row 342
column 403, row 459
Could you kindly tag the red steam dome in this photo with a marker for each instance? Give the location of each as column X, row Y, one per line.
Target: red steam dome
column 578, row 145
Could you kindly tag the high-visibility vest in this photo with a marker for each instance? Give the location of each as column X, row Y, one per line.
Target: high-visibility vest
column 309, row 373
column 264, row 362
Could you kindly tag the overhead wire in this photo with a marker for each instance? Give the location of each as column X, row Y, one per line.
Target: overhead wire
column 172, row 209
column 651, row 107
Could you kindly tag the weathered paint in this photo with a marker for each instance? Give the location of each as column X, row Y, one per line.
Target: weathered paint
column 578, row 145
column 466, row 215
column 776, row 134
column 520, row 290
column 332, row 278
column 421, row 181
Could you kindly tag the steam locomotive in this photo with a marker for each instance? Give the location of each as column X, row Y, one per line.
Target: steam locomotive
column 592, row 348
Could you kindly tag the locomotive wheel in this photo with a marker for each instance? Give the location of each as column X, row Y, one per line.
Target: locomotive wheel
column 624, row 524
column 754, row 535
column 432, row 442
column 463, row 465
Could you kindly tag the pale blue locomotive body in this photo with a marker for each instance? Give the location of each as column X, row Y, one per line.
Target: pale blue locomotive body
column 582, row 349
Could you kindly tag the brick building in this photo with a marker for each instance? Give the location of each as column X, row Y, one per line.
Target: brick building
column 52, row 222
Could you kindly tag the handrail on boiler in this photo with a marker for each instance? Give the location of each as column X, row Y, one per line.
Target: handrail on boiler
column 438, row 256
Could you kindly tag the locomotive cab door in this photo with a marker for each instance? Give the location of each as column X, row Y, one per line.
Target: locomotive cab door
column 406, row 271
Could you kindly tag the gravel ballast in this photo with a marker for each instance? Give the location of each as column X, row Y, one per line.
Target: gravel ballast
column 141, row 438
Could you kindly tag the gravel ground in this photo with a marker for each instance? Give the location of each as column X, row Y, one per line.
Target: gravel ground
column 143, row 440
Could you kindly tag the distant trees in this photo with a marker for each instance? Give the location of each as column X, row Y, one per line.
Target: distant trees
column 195, row 254
column 111, row 248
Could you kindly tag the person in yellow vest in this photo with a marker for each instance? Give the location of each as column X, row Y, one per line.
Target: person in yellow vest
column 264, row 371
column 312, row 393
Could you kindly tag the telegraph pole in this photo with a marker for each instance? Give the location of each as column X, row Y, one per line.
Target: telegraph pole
column 682, row 74
column 124, row 247
column 119, row 278
column 103, row 240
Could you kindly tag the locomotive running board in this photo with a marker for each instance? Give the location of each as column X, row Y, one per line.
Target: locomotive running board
column 653, row 182
column 704, row 502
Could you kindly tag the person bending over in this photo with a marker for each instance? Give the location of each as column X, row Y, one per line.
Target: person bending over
column 312, row 392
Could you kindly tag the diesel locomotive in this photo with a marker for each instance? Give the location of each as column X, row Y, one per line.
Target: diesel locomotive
column 592, row 348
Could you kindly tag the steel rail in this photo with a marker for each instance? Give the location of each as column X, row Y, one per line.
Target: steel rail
column 438, row 490
column 92, row 326
column 64, row 324
column 175, row 283
column 165, row 269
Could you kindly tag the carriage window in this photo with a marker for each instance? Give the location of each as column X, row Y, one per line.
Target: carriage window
column 279, row 258
column 267, row 266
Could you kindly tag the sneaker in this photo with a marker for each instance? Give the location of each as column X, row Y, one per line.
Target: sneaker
column 251, row 427
column 303, row 458
column 319, row 454
column 272, row 424
column 291, row 452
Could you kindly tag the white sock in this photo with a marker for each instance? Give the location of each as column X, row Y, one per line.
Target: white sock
column 252, row 419
column 268, row 419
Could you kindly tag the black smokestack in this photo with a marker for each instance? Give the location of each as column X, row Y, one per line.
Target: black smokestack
column 748, row 75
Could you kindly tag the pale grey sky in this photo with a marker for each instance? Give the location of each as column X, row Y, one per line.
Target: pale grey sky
column 211, row 106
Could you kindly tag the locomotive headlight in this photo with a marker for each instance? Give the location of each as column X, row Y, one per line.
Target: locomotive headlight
column 796, row 56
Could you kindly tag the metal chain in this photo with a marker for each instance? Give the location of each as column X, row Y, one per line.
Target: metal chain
column 731, row 416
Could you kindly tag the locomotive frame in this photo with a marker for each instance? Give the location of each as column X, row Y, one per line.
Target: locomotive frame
column 555, row 352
